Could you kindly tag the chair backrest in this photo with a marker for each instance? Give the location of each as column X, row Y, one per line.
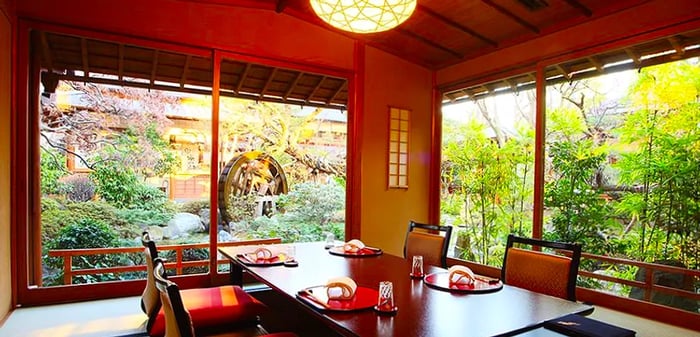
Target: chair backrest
column 178, row 322
column 150, row 299
column 430, row 241
column 541, row 272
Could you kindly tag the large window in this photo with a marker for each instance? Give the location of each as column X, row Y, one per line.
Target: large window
column 125, row 143
column 487, row 170
column 621, row 162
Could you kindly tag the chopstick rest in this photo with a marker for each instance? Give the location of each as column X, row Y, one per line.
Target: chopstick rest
column 341, row 288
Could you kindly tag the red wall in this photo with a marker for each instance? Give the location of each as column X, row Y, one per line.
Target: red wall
column 390, row 81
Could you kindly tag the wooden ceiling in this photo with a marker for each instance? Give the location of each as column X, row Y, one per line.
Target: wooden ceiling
column 76, row 58
column 438, row 34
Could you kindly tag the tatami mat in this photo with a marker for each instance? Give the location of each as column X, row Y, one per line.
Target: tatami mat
column 103, row 318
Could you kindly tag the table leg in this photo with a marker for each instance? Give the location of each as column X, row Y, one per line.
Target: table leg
column 236, row 274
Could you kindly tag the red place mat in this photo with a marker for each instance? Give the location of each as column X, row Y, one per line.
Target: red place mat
column 252, row 260
column 364, row 252
column 441, row 281
column 364, row 298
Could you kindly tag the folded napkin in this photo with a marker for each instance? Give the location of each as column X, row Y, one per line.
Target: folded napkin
column 341, row 288
column 460, row 275
column 353, row 246
column 262, row 253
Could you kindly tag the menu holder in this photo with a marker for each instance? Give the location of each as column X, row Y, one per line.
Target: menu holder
column 481, row 285
column 317, row 297
column 252, row 260
column 577, row 325
column 364, row 252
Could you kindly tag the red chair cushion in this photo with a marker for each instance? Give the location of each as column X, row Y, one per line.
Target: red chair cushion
column 210, row 307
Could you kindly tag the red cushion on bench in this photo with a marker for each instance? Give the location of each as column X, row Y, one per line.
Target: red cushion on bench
column 216, row 306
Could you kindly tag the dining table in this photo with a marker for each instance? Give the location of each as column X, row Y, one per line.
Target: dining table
column 422, row 310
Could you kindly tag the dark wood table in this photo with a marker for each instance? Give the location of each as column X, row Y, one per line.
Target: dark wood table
column 423, row 310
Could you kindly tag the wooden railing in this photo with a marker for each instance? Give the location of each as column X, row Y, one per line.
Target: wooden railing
column 648, row 284
column 178, row 264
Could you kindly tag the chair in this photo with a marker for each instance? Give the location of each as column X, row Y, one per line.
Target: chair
column 541, row 272
column 426, row 240
column 178, row 321
column 207, row 306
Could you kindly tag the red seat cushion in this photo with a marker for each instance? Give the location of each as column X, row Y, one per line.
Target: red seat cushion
column 216, row 306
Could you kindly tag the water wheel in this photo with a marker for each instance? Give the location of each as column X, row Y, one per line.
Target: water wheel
column 251, row 173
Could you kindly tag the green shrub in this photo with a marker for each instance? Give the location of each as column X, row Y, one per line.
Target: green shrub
column 52, row 168
column 314, row 203
column 85, row 233
column 116, row 184
column 193, row 206
column 77, row 187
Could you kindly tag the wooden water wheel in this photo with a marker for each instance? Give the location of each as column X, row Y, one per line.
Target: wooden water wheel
column 251, row 173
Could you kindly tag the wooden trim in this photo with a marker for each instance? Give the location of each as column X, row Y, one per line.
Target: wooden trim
column 680, row 318
column 214, row 165
column 118, row 38
column 540, row 132
column 18, row 172
column 434, row 183
column 285, row 63
column 353, row 185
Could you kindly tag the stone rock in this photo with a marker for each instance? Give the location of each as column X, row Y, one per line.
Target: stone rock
column 182, row 224
column 156, row 233
column 205, row 216
column 668, row 279
column 224, row 236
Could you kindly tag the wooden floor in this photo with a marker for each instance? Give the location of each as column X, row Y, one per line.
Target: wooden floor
column 123, row 317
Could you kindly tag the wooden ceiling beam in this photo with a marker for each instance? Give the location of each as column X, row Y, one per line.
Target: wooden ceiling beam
column 581, row 8
column 429, row 42
column 120, row 71
column 596, row 63
column 267, row 83
column 46, row 51
column 335, row 94
column 242, row 79
column 154, row 66
column 84, row 53
column 509, row 14
column 513, row 86
column 563, row 71
column 635, row 58
column 313, row 92
column 292, row 86
column 677, row 46
column 456, row 25
column 185, row 69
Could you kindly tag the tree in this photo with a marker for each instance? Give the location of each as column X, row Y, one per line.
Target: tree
column 273, row 128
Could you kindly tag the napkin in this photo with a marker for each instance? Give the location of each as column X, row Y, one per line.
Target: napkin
column 341, row 288
column 353, row 246
column 459, row 274
column 262, row 253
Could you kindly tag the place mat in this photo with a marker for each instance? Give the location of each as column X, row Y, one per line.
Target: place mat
column 441, row 281
column 316, row 297
column 252, row 260
column 364, row 252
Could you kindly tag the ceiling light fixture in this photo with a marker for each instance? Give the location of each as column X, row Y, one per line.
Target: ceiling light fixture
column 364, row 16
